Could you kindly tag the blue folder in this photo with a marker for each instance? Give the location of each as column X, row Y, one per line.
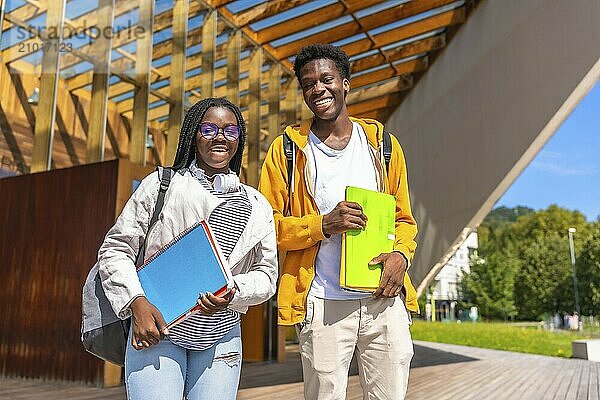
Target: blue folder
column 174, row 277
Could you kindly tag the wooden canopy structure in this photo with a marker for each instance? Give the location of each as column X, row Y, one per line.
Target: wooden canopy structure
column 84, row 71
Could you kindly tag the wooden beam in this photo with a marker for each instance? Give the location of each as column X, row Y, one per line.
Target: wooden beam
column 125, row 77
column 99, row 103
column 443, row 20
column 80, row 24
column 29, row 10
column 44, row 127
column 177, row 80
column 312, row 19
column 253, row 139
column 398, row 53
column 32, row 44
column 73, row 28
column 192, row 62
column 161, row 111
column 289, row 104
column 164, row 48
column 2, row 8
column 84, row 22
column 380, row 114
column 305, row 112
column 234, row 47
column 417, row 65
column 139, row 130
column 195, row 82
column 160, row 50
column 402, row 11
column 398, row 84
column 209, row 38
column 218, row 3
column 265, row 10
column 274, row 126
column 392, row 100
column 26, row 12
column 133, row 58
column 131, row 34
column 251, row 36
column 194, row 37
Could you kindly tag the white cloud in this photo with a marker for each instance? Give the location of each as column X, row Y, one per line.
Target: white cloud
column 558, row 164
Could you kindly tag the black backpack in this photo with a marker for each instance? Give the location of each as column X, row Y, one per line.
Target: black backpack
column 289, row 149
column 103, row 333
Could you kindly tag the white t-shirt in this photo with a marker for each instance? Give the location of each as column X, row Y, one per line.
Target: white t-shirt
column 336, row 169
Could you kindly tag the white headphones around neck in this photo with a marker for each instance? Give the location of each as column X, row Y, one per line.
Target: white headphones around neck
column 226, row 183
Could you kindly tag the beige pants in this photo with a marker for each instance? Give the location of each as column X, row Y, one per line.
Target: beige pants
column 379, row 331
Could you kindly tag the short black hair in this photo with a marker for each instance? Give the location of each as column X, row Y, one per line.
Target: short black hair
column 186, row 147
column 323, row 51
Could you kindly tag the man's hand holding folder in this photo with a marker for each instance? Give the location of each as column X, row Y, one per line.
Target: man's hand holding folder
column 346, row 215
column 392, row 277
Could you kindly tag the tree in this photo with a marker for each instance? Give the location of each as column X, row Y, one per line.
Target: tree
column 490, row 286
column 544, row 282
column 541, row 284
column 498, row 219
column 526, row 270
column 527, row 230
column 588, row 273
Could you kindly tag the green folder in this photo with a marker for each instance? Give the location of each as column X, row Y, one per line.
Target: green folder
column 361, row 246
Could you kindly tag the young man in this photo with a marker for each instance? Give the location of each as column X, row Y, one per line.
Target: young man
column 332, row 151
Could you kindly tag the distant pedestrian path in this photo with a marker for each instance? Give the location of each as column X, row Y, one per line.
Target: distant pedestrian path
column 439, row 371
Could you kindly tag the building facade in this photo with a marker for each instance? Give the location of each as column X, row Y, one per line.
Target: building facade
column 446, row 283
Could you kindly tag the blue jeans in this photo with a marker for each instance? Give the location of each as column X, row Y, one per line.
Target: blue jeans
column 166, row 371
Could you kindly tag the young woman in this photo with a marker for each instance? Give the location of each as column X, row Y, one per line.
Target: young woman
column 199, row 358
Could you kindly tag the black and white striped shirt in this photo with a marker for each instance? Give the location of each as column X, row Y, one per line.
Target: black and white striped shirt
column 227, row 221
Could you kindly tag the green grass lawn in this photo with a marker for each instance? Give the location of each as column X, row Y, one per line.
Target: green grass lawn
column 499, row 336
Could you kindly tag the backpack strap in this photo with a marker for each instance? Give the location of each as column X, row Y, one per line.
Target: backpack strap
column 387, row 149
column 165, row 180
column 289, row 148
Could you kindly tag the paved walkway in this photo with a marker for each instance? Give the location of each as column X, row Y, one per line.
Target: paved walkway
column 439, row 371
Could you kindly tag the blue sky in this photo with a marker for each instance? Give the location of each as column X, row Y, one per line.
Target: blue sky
column 566, row 171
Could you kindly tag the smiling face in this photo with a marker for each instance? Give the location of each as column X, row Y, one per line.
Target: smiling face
column 213, row 156
column 323, row 89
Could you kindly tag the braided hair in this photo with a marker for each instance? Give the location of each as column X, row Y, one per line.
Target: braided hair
column 186, row 148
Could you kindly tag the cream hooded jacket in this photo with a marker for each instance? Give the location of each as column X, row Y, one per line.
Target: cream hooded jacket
column 253, row 260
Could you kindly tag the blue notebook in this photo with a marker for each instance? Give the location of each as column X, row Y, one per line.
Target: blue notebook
column 174, row 276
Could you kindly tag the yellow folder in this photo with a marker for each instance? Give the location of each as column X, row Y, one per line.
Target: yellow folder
column 361, row 246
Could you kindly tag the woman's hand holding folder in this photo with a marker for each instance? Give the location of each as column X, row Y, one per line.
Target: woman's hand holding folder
column 210, row 304
column 148, row 324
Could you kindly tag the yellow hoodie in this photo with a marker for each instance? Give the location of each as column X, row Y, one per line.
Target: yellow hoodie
column 299, row 234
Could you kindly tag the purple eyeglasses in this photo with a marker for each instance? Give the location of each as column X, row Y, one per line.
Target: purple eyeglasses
column 209, row 131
